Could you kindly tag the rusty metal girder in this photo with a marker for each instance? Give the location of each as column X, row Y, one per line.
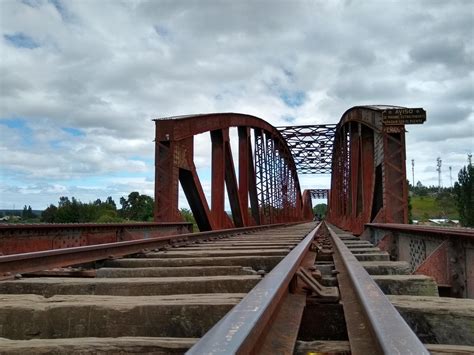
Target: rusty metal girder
column 26, row 238
column 265, row 191
column 49, row 259
column 368, row 181
column 311, row 147
column 319, row 194
column 446, row 254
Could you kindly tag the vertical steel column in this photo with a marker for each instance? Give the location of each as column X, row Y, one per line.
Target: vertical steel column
column 166, row 183
column 218, row 177
column 355, row 179
column 244, row 151
column 395, row 186
column 368, row 173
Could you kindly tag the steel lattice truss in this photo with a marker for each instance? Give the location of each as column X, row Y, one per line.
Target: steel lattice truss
column 319, row 194
column 311, row 147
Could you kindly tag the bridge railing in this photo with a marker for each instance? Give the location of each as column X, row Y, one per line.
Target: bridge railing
column 446, row 254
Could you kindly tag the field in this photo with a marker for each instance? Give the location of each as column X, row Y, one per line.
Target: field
column 425, row 207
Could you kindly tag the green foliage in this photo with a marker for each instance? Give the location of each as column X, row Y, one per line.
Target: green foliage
column 465, row 196
column 431, row 202
column 419, row 189
column 137, row 207
column 446, row 202
column 74, row 211
column 27, row 213
column 188, row 217
column 320, row 210
column 426, row 207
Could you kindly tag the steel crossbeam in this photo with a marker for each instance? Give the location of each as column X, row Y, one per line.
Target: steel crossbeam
column 311, row 147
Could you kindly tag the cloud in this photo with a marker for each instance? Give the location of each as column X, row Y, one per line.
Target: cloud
column 85, row 79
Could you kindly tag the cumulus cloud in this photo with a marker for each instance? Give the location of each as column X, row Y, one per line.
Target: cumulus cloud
column 80, row 81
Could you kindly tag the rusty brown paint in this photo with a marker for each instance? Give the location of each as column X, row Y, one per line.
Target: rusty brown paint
column 368, row 182
column 267, row 172
column 45, row 260
column 24, row 238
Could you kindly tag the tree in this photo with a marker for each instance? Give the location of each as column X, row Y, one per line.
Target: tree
column 137, row 207
column 27, row 213
column 464, row 189
column 49, row 214
column 320, row 210
column 420, row 189
column 74, row 211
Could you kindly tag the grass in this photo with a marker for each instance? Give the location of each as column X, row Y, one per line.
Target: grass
column 426, row 207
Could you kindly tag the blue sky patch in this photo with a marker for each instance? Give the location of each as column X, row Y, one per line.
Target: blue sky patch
column 289, row 119
column 73, row 131
column 19, row 124
column 21, row 40
column 293, row 98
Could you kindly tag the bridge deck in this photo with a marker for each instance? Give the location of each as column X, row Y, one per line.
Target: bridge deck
column 280, row 285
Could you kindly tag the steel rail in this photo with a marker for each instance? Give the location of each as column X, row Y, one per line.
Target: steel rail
column 44, row 260
column 373, row 324
column 414, row 229
column 241, row 329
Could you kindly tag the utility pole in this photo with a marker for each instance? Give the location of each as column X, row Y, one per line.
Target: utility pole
column 438, row 169
column 413, row 172
column 451, row 176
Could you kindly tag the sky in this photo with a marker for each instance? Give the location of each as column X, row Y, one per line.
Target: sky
column 81, row 81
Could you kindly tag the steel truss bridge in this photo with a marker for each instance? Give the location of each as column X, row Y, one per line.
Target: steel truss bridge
column 364, row 152
column 262, row 278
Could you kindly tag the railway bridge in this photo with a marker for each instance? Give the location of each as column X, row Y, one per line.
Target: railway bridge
column 261, row 276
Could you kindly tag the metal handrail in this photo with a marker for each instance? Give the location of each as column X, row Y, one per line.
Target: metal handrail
column 42, row 226
column 432, row 230
column 388, row 331
column 44, row 260
column 239, row 331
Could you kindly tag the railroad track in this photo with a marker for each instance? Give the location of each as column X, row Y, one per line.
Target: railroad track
column 290, row 288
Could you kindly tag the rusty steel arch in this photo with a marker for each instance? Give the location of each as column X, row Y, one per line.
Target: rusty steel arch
column 368, row 181
column 267, row 180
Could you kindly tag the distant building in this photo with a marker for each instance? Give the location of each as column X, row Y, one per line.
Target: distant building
column 10, row 218
column 444, row 222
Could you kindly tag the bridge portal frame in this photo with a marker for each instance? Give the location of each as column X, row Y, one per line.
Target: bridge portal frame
column 267, row 180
